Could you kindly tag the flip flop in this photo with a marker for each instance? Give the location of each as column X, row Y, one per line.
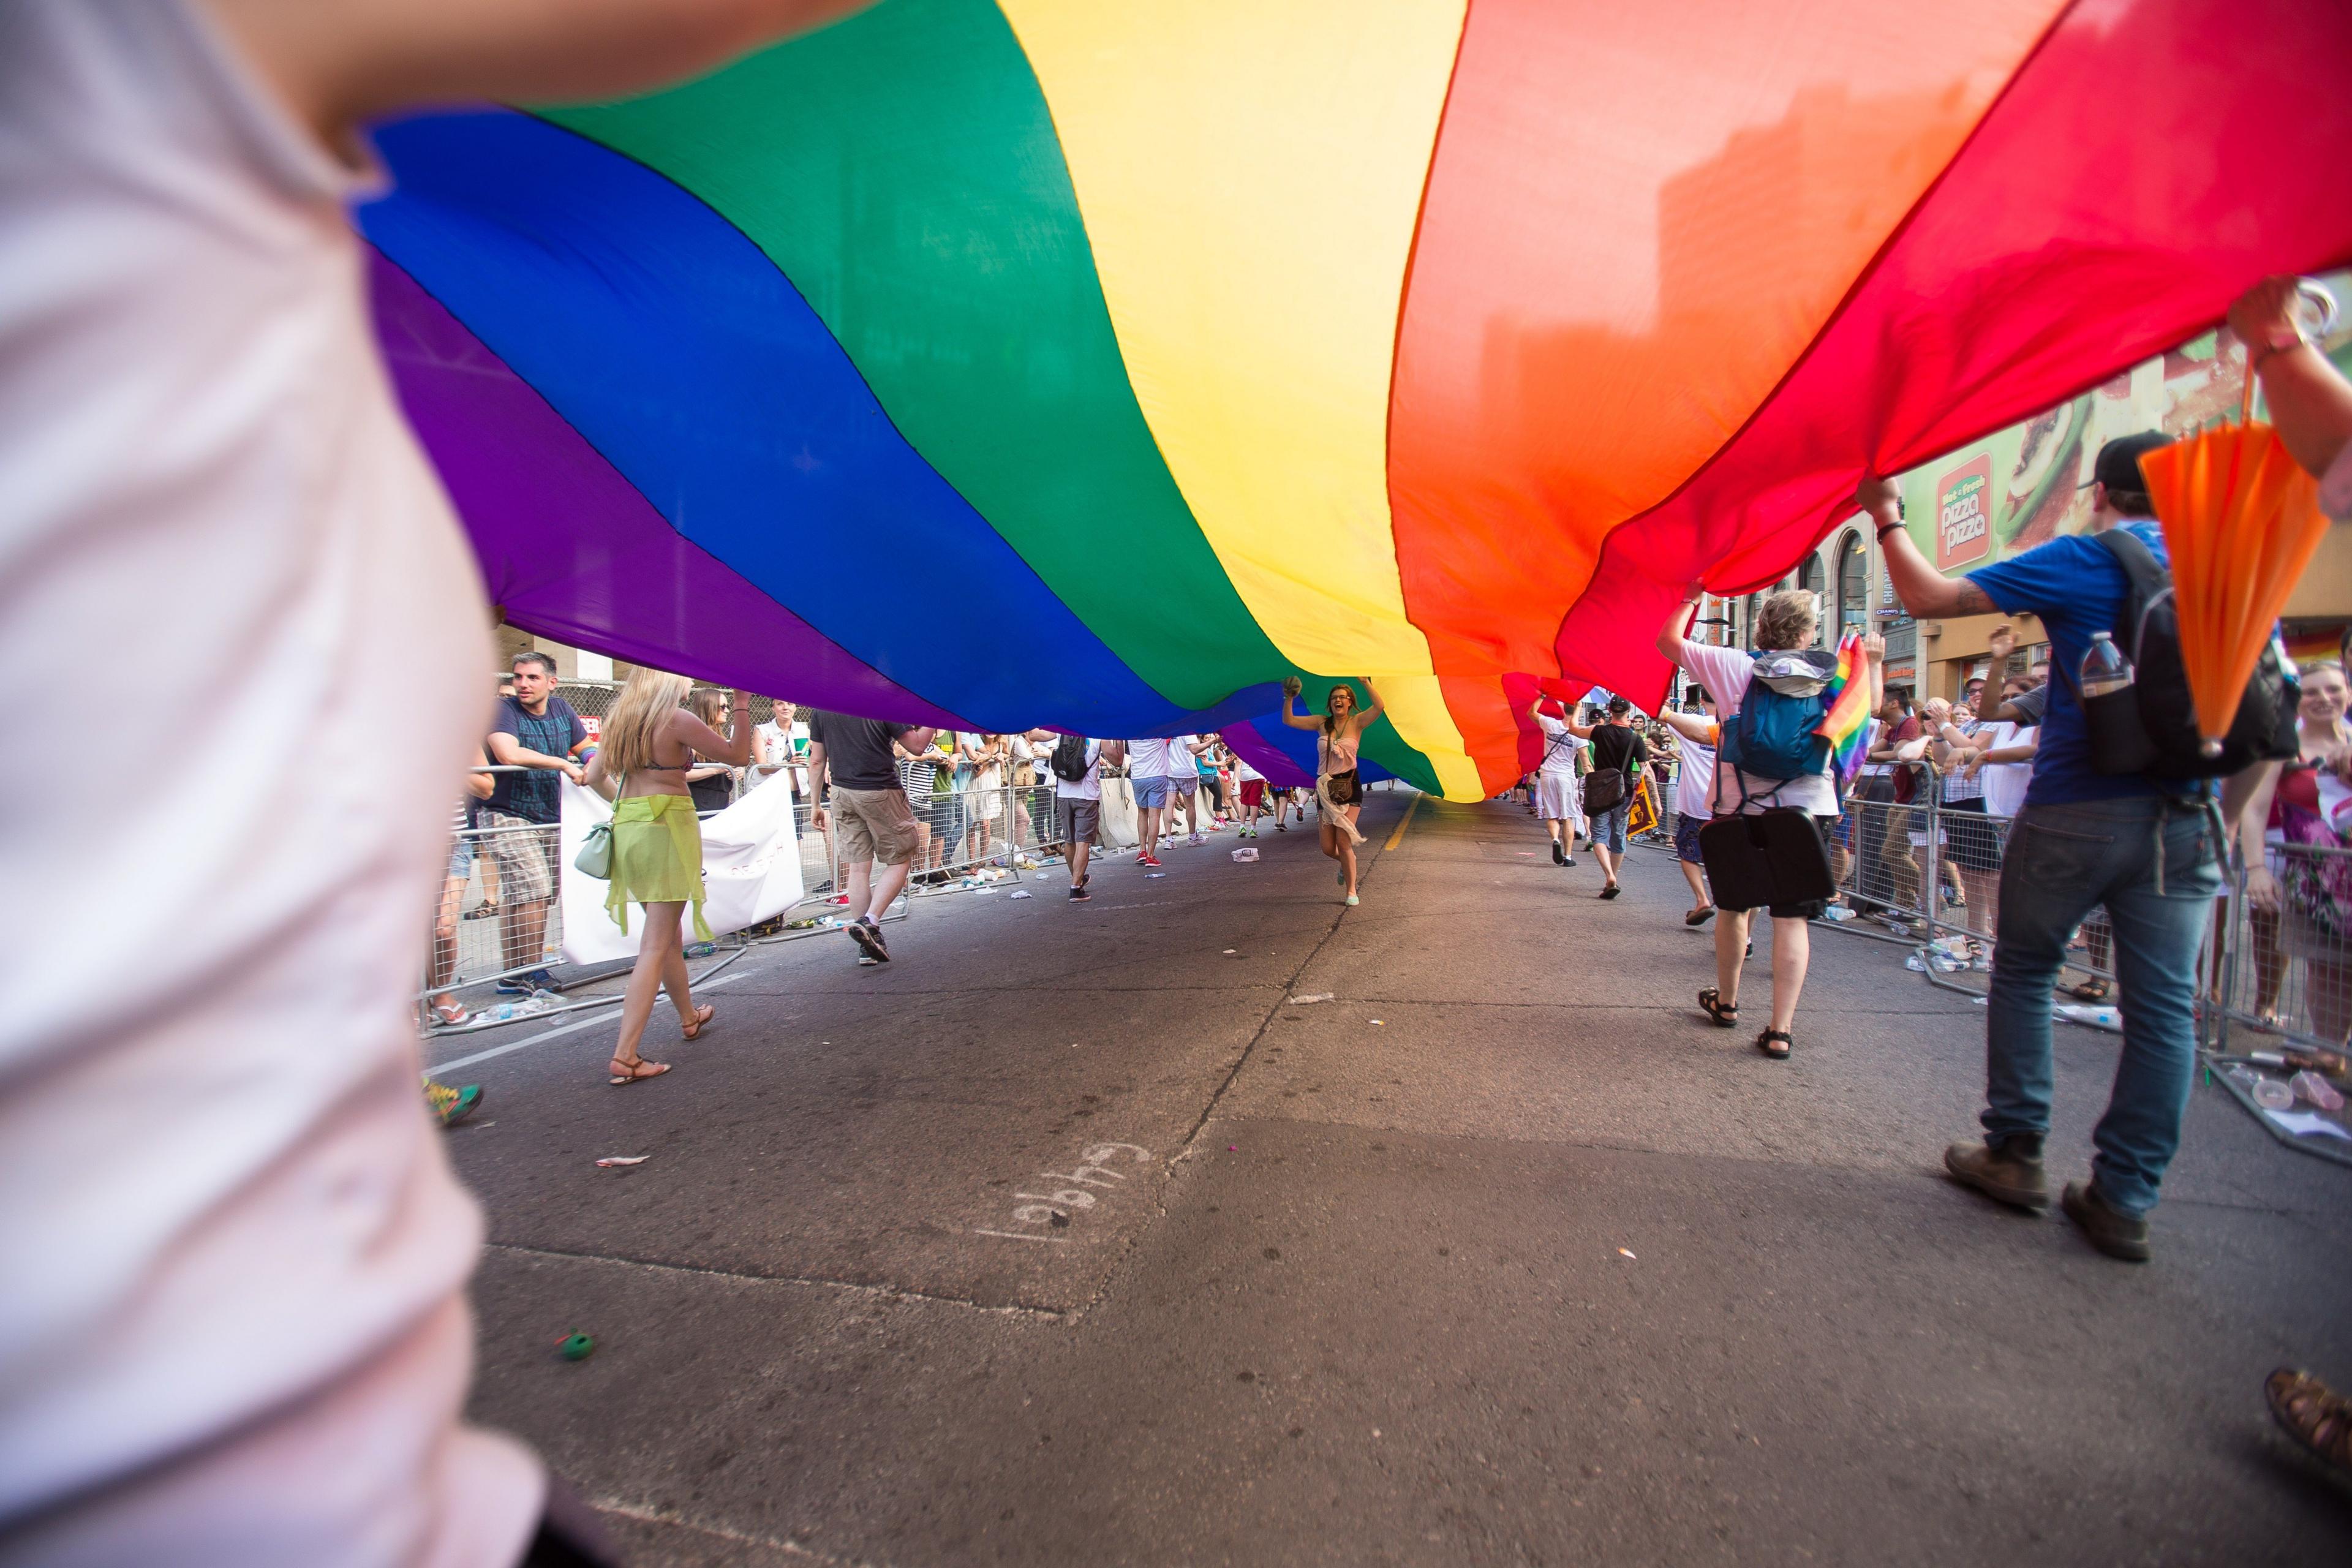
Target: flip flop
column 634, row 1072
column 1699, row 916
column 702, row 1017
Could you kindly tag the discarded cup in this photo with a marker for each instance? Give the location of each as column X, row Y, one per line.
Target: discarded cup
column 575, row 1346
column 1019, row 893
column 2271, row 1095
column 2317, row 1089
column 1314, row 996
column 624, row 1159
column 1245, row 854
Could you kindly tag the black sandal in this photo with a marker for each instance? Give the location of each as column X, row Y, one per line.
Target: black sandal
column 1775, row 1042
column 2091, row 990
column 1710, row 1003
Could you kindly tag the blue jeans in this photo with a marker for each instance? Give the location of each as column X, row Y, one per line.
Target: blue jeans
column 2155, row 866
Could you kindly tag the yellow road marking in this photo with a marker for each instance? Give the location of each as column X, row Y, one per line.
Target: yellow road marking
column 1404, row 822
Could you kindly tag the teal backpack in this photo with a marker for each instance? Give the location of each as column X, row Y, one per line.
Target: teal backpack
column 1772, row 736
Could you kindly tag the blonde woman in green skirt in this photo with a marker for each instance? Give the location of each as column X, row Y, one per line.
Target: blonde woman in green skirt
column 646, row 748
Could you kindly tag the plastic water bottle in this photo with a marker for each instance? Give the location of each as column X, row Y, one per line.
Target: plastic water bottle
column 2105, row 668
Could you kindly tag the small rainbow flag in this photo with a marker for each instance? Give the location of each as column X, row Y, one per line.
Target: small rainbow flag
column 1848, row 719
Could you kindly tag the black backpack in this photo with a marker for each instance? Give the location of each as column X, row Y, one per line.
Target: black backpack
column 2151, row 728
column 1070, row 759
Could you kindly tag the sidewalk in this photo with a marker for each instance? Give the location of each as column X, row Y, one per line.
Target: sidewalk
column 1352, row 1291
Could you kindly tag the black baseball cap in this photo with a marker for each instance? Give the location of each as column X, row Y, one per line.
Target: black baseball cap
column 2118, row 464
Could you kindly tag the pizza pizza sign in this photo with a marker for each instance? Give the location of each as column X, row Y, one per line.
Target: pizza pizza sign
column 1964, row 514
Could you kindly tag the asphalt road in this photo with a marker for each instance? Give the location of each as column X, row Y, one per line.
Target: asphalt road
column 1501, row 1255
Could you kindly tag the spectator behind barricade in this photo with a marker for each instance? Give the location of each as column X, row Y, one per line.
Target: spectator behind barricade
column 774, row 750
column 1890, row 871
column 2311, row 408
column 656, row 733
column 1033, row 777
column 2296, row 839
column 1694, row 792
column 983, row 800
column 442, row 1008
column 1076, row 764
column 920, row 770
column 711, row 783
column 1972, row 841
column 872, row 820
column 534, row 729
column 2086, row 840
column 1786, row 625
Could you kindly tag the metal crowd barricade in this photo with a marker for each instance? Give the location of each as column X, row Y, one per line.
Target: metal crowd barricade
column 2284, row 975
column 481, row 932
column 1960, row 856
column 1880, row 855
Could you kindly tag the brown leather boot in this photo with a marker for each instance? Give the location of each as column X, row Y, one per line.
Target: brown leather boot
column 2010, row 1175
column 2112, row 1231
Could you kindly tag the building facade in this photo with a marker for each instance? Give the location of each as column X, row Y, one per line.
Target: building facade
column 2030, row 483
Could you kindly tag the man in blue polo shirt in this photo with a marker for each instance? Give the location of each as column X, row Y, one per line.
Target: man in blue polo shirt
column 2084, row 839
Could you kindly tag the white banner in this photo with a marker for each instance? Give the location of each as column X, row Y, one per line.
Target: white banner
column 750, row 870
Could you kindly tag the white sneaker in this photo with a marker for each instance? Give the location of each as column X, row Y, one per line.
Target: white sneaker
column 1196, row 840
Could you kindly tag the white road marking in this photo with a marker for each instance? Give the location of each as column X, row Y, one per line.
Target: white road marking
column 557, row 1033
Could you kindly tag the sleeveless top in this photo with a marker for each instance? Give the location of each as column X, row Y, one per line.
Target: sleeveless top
column 1338, row 753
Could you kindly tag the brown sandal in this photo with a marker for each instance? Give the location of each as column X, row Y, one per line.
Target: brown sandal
column 634, row 1072
column 2314, row 1415
column 702, row 1017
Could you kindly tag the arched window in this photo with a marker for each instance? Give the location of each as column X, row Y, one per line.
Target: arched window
column 1809, row 578
column 1853, row 584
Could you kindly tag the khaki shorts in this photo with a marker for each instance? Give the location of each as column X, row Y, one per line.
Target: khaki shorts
column 1075, row 820
column 524, row 852
column 874, row 825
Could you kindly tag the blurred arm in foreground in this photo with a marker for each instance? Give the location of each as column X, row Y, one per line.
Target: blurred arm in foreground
column 234, row 1325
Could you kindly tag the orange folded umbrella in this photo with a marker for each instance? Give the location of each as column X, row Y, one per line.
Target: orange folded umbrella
column 2242, row 522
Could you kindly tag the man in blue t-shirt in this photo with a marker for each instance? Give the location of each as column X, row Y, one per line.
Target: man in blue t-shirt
column 2084, row 839
column 535, row 731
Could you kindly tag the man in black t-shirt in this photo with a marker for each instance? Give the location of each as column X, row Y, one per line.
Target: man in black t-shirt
column 1616, row 747
column 535, row 730
column 870, row 813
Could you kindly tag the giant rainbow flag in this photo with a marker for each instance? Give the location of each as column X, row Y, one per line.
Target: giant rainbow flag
column 1096, row 363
